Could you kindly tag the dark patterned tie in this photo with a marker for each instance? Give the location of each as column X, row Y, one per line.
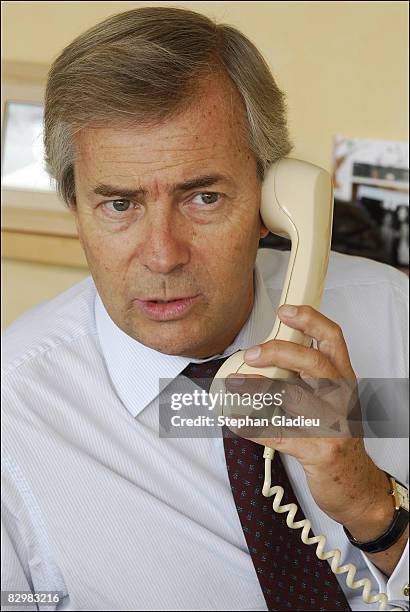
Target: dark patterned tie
column 290, row 574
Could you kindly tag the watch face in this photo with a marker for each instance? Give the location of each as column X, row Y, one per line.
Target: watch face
column 404, row 496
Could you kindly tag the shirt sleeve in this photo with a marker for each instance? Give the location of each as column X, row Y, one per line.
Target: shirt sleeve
column 28, row 562
column 15, row 575
column 394, row 586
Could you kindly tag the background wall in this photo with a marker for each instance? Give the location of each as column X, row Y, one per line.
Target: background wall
column 343, row 66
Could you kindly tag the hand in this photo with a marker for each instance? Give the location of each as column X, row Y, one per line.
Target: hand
column 342, row 478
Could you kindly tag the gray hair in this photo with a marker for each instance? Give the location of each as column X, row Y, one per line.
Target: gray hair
column 139, row 67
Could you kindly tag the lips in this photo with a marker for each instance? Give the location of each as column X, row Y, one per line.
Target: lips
column 162, row 301
column 159, row 310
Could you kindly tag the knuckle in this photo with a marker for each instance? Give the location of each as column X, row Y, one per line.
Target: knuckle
column 336, row 332
column 306, row 312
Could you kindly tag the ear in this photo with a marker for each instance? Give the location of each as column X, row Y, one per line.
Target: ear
column 263, row 231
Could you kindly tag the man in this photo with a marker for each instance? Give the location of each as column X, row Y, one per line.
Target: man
column 159, row 127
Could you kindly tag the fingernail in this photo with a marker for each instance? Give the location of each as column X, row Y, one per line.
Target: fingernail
column 288, row 311
column 253, row 353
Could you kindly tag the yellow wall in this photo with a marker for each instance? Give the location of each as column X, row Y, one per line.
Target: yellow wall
column 25, row 284
column 343, row 64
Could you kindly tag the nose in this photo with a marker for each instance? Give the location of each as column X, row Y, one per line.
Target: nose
column 165, row 245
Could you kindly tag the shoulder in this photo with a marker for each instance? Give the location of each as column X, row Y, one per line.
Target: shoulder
column 51, row 325
column 344, row 272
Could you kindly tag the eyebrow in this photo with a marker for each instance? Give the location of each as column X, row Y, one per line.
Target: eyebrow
column 195, row 183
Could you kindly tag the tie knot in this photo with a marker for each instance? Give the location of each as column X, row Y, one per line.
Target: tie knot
column 205, row 371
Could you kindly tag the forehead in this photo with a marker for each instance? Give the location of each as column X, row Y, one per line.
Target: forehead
column 212, row 123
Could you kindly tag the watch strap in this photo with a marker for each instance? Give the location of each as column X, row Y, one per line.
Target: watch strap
column 389, row 537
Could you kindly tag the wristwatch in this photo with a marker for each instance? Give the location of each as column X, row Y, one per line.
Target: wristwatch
column 400, row 495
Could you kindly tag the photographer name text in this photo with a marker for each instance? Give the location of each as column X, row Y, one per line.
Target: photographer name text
column 246, row 421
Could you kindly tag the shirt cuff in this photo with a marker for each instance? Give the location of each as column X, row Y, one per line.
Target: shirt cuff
column 394, row 586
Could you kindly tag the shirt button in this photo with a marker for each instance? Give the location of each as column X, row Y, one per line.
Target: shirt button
column 406, row 590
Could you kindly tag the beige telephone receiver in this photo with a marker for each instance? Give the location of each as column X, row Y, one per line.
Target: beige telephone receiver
column 297, row 202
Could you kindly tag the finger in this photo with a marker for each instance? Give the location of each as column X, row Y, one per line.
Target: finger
column 291, row 444
column 300, row 400
column 247, row 382
column 294, row 396
column 327, row 333
column 327, row 407
column 294, row 357
column 307, row 396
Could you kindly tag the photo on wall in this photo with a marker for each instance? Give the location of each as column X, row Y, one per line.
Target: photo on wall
column 371, row 180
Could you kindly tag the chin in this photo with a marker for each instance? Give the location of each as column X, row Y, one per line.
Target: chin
column 170, row 342
column 170, row 347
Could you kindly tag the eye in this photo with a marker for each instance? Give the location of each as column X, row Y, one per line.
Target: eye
column 208, row 197
column 118, row 205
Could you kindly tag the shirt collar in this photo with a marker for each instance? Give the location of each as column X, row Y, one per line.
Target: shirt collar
column 135, row 369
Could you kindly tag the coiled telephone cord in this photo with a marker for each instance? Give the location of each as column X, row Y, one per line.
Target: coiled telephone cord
column 291, row 509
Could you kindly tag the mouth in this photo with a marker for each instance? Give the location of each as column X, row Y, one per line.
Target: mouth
column 166, row 310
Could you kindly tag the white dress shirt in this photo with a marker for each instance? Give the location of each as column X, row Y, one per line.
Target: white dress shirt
column 98, row 506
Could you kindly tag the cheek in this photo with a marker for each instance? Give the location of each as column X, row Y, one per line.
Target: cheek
column 231, row 260
column 105, row 254
column 243, row 241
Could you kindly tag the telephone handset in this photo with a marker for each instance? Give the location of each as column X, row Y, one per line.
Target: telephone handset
column 297, row 202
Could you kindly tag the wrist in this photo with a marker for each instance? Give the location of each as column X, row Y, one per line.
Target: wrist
column 377, row 513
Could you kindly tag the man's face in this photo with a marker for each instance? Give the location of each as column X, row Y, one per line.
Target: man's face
column 150, row 235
